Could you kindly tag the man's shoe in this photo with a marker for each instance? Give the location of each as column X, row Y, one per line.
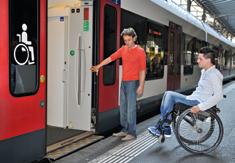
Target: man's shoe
column 120, row 134
column 154, row 131
column 167, row 131
column 128, row 137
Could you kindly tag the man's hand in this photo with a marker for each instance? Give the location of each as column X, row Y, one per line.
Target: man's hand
column 140, row 91
column 195, row 109
column 95, row 69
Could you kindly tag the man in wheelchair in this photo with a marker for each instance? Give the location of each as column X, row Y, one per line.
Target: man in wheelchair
column 207, row 94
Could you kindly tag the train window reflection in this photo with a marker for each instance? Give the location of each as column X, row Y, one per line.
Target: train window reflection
column 155, row 51
column 188, row 54
column 192, row 46
column 23, row 46
column 233, row 60
column 152, row 37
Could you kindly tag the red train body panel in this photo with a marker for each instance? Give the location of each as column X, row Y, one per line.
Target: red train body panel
column 21, row 115
column 108, row 94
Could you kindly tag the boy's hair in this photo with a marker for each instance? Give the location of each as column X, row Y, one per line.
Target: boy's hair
column 130, row 32
column 208, row 53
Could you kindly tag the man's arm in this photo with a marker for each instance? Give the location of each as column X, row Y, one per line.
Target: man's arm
column 113, row 57
column 142, row 73
column 97, row 67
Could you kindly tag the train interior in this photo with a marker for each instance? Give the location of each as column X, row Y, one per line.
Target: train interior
column 68, row 63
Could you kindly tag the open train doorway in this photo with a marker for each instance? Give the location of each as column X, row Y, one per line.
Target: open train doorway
column 68, row 62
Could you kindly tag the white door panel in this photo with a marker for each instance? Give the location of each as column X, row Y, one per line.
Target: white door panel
column 56, row 114
column 79, row 75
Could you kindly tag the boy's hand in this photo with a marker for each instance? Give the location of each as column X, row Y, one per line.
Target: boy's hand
column 95, row 69
column 195, row 109
column 140, row 91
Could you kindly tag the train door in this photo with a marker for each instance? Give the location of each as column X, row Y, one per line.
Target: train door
column 108, row 79
column 79, row 62
column 174, row 50
column 70, row 37
column 22, row 80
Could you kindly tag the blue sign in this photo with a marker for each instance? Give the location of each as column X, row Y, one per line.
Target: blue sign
column 61, row 18
column 118, row 2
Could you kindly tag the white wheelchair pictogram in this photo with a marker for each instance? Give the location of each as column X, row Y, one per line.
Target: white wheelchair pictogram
column 24, row 46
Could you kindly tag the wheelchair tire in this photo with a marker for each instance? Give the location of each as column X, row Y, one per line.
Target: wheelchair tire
column 204, row 138
column 187, row 144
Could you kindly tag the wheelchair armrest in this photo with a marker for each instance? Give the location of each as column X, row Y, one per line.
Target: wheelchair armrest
column 215, row 109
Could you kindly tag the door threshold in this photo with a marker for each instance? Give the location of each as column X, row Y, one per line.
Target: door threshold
column 65, row 147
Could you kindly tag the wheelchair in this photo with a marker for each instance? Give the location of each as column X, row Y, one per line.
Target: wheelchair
column 197, row 133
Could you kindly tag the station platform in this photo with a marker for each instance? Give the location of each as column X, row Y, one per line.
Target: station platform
column 146, row 148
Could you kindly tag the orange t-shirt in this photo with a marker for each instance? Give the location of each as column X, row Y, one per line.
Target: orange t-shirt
column 133, row 61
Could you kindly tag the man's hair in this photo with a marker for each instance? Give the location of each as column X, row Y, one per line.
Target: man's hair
column 130, row 32
column 208, row 53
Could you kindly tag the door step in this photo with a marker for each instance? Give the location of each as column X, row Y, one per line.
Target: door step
column 70, row 145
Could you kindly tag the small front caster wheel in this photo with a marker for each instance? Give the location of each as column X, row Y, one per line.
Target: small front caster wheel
column 161, row 138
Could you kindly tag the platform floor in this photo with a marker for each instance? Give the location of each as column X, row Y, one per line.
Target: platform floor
column 146, row 149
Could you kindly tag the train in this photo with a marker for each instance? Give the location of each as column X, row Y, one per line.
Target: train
column 48, row 46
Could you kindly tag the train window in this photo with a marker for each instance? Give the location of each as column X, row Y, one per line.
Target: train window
column 110, row 43
column 217, row 60
column 224, row 57
column 151, row 37
column 227, row 58
column 24, row 46
column 139, row 23
column 233, row 61
column 155, row 51
column 189, row 54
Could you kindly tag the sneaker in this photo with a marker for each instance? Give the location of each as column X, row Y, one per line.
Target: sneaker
column 154, row 131
column 120, row 134
column 167, row 131
column 128, row 137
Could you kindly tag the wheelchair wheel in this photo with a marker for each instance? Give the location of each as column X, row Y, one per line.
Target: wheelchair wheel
column 199, row 133
column 190, row 119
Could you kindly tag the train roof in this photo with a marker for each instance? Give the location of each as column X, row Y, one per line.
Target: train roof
column 223, row 10
column 180, row 12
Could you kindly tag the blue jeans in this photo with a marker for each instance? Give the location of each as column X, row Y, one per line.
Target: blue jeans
column 169, row 99
column 128, row 106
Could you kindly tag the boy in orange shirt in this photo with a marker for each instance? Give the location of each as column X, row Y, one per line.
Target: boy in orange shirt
column 133, row 77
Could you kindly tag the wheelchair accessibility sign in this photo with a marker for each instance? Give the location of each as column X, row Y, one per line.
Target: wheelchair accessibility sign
column 24, row 51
